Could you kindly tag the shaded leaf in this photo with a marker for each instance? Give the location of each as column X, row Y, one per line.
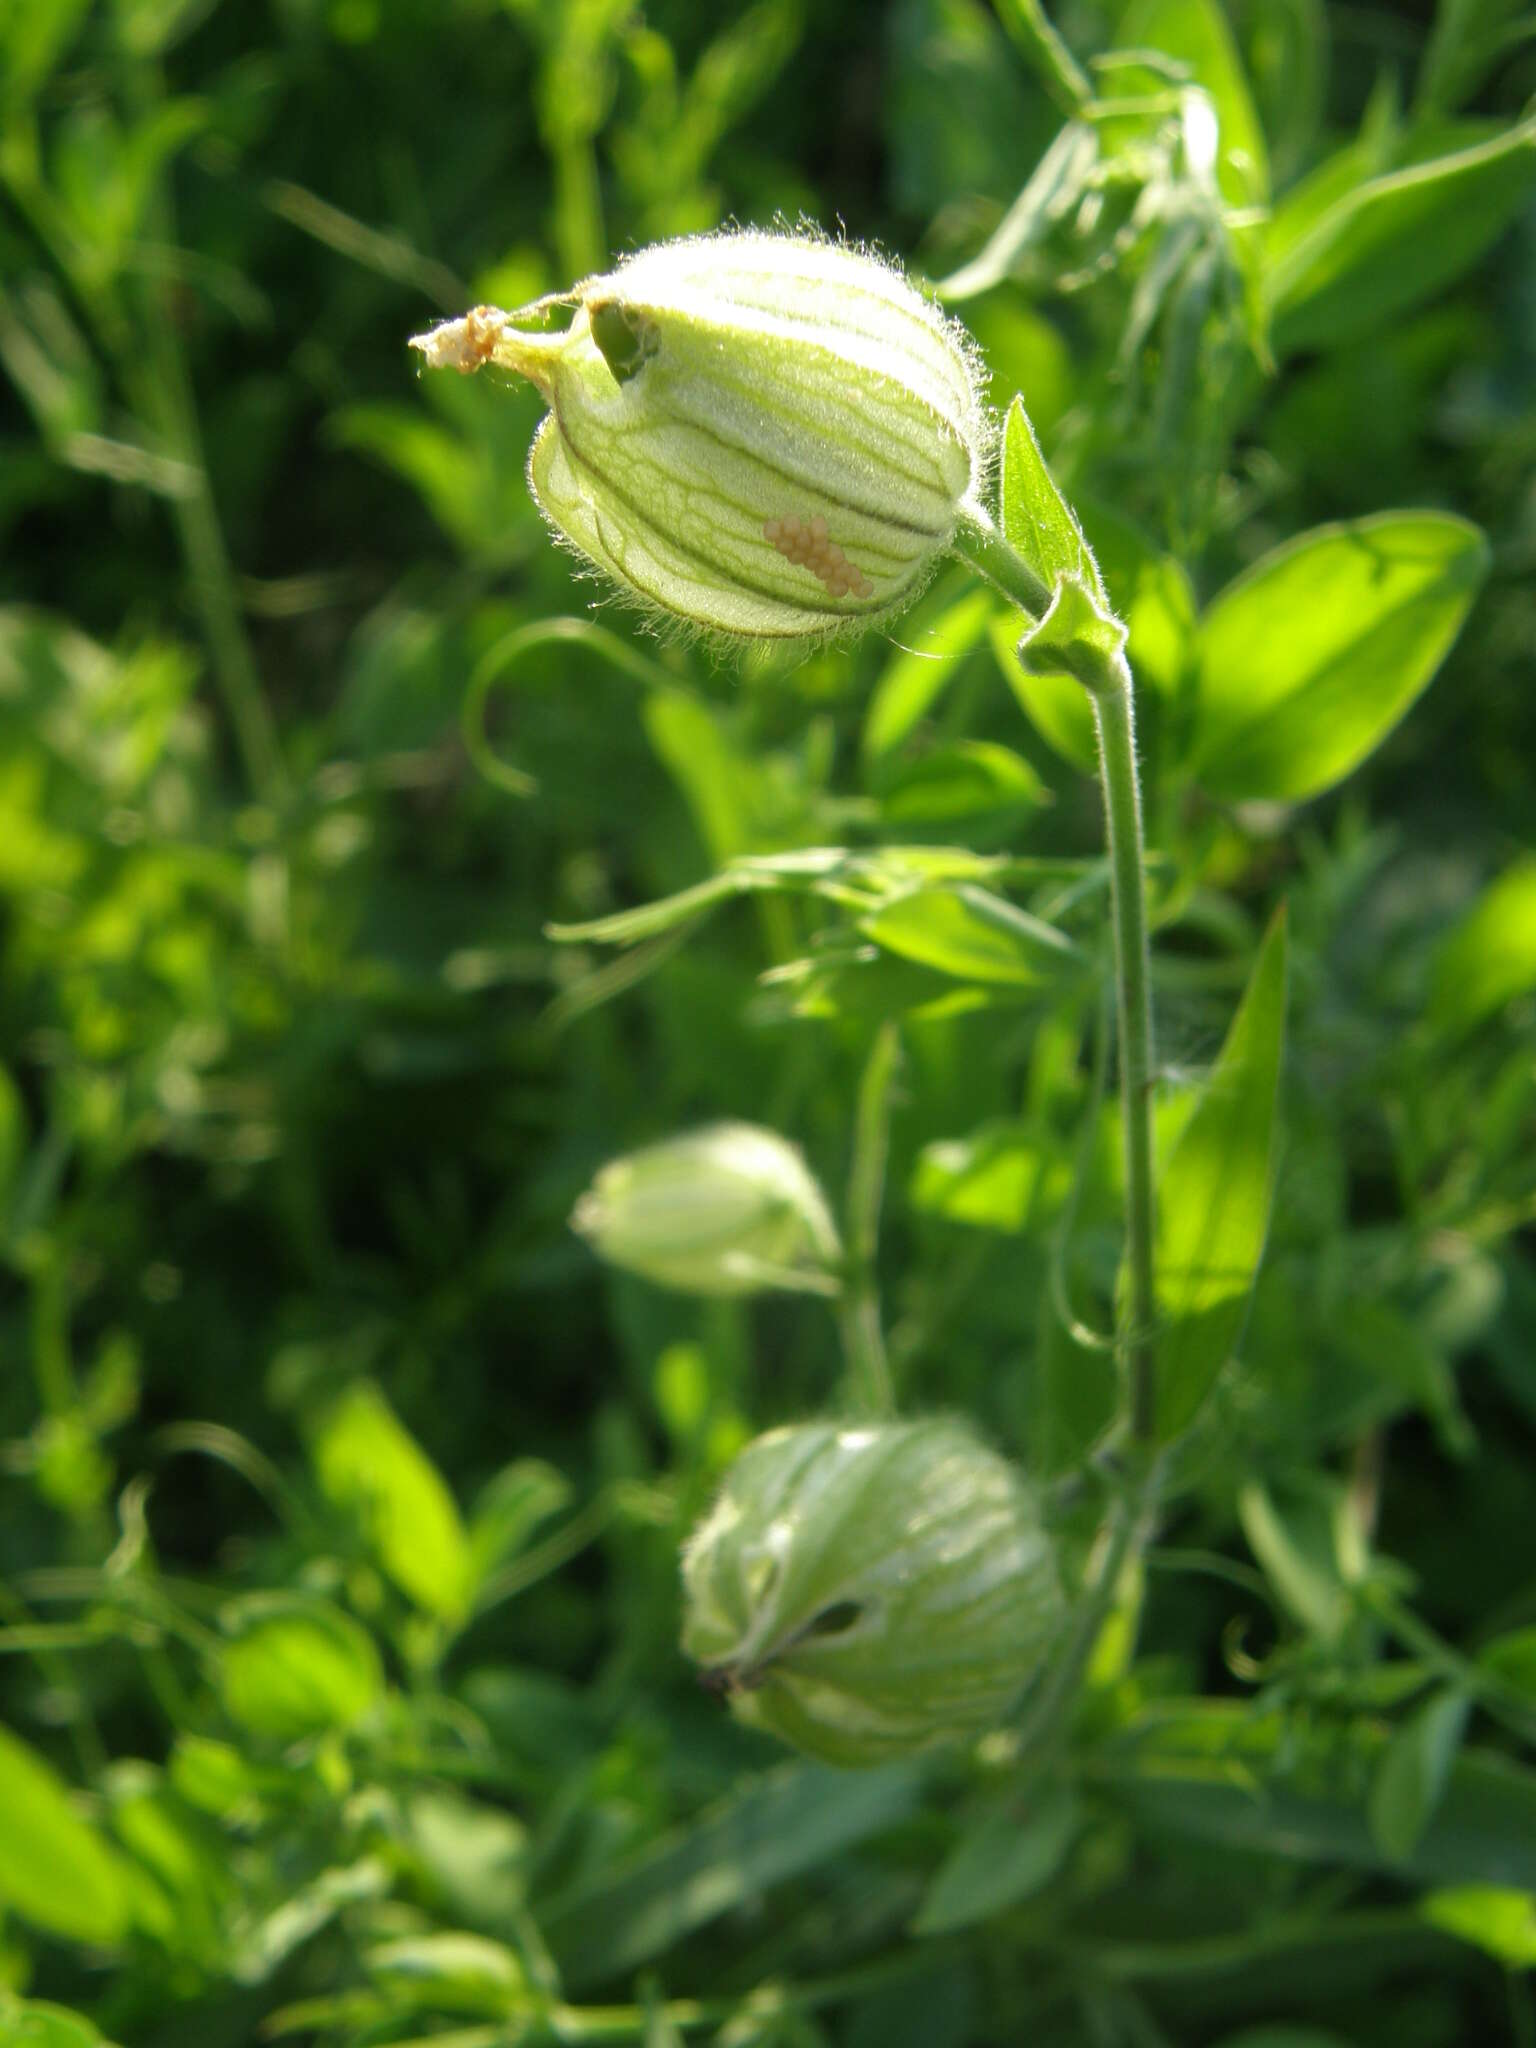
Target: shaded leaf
column 1277, row 1788
column 1214, row 1195
column 970, row 779
column 999, row 1862
column 916, row 677
column 772, row 1829
column 1411, row 1778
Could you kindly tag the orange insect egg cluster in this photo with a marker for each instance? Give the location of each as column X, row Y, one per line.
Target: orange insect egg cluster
column 805, row 542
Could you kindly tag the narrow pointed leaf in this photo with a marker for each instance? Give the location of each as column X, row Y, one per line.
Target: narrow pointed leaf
column 1213, row 1201
column 1037, row 521
column 973, row 935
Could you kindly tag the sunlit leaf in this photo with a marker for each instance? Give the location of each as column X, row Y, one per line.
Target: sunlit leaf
column 55, row 1869
column 969, row 933
column 1501, row 1923
column 32, row 2023
column 457, row 1973
column 371, row 1467
column 972, row 778
column 1390, row 243
column 1308, row 661
column 295, row 1666
column 1491, row 955
column 1001, row 1177
column 1195, row 32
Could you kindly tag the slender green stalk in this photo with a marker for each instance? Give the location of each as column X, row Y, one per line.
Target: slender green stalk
column 1133, row 995
column 162, row 384
column 1109, row 688
column 859, row 1306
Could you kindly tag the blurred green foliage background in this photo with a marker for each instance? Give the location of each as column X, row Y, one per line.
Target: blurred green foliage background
column 340, row 1489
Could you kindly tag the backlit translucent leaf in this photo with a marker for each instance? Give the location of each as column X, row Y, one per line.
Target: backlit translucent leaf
column 973, row 935
column 371, row 1467
column 1195, row 32
column 295, row 1666
column 1037, row 522
column 32, row 2023
column 1392, row 242
column 1308, row 661
column 1000, row 1178
column 1491, row 956
column 1501, row 1923
column 55, row 1869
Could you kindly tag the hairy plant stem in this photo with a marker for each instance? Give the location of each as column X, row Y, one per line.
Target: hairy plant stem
column 1109, row 688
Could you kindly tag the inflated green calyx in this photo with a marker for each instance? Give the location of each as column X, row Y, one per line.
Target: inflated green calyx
column 865, row 1592
column 767, row 436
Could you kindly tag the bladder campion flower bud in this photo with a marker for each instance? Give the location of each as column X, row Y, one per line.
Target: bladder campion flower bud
column 764, row 435
column 864, row 1592
column 729, row 1209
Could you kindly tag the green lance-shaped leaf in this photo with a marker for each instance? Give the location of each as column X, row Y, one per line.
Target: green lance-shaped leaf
column 34, row 2023
column 1490, row 957
column 1411, row 1778
column 1499, row 1921
column 973, row 935
column 770, row 1829
column 972, row 778
column 296, row 1666
column 1037, row 521
column 915, row 678
column 371, row 1467
column 1213, row 1198
column 1308, row 660
column 1392, row 242
column 1003, row 1859
column 1195, row 33
column 1284, row 1787
column 55, row 1869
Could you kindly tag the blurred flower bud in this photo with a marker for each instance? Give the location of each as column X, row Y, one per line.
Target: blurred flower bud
column 763, row 435
column 864, row 1592
column 729, row 1209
